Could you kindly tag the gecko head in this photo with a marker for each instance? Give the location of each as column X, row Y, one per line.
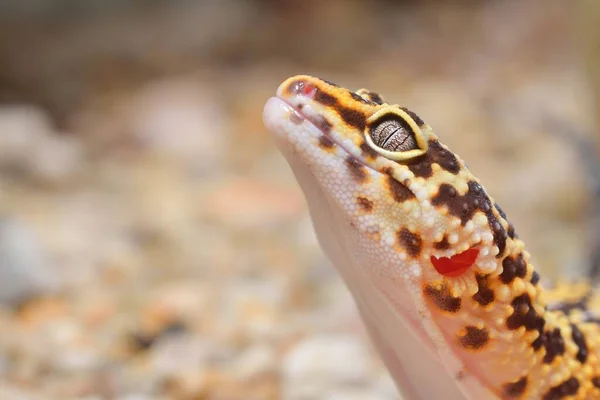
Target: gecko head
column 385, row 169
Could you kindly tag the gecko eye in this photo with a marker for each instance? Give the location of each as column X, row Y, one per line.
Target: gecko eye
column 392, row 133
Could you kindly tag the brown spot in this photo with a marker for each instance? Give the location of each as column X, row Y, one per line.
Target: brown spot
column 513, row 267
column 596, row 381
column 325, row 142
column 566, row 388
column 325, row 98
column 474, row 338
column 464, row 206
column 399, row 192
column 352, row 117
column 442, row 244
column 374, row 235
column 579, row 340
column 515, row 389
column 554, row 344
column 358, row 170
column 296, row 118
column 442, row 298
column 414, row 116
column 484, row 295
column 410, row 241
column 523, row 314
column 365, row 204
column 322, row 124
column 368, row 151
column 436, row 154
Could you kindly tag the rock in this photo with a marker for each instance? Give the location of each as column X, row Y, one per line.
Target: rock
column 253, row 362
column 181, row 118
column 29, row 145
column 21, row 128
column 265, row 204
column 56, row 159
column 25, row 270
column 319, row 363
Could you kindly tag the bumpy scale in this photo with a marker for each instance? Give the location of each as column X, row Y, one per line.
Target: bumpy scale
column 441, row 280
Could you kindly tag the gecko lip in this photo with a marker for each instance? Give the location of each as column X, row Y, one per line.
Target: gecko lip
column 318, row 124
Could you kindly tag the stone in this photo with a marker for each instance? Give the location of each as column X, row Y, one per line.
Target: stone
column 25, row 269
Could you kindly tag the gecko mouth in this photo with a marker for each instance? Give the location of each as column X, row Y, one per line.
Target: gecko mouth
column 304, row 112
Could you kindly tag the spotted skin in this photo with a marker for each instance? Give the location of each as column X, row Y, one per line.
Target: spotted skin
column 383, row 217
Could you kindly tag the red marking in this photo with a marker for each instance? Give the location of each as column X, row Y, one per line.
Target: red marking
column 309, row 90
column 456, row 265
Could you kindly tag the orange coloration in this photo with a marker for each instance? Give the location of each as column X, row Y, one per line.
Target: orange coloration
column 456, row 265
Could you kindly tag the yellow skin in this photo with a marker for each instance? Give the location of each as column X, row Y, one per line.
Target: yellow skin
column 385, row 217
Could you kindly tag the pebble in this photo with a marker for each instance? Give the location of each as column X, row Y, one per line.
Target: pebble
column 25, row 270
column 255, row 361
column 264, row 204
column 30, row 145
column 180, row 118
column 324, row 361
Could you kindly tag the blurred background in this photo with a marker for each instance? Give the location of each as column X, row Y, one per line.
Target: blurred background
column 153, row 242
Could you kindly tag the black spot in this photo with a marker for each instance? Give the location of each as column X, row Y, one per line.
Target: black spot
column 329, row 82
column 525, row 315
column 579, row 340
column 436, row 154
column 566, row 388
column 484, row 295
column 442, row 298
column 554, row 344
column 414, row 116
column 357, row 169
column 535, row 278
column 515, row 389
column 442, row 244
column 474, row 338
column 376, row 98
column 365, row 204
column 410, row 241
column 466, row 205
column 500, row 211
column 399, row 192
column 513, row 267
column 358, row 97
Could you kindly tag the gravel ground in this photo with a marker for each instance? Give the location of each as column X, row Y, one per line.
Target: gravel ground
column 154, row 244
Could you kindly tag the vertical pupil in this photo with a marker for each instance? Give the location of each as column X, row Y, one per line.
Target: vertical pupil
column 393, row 134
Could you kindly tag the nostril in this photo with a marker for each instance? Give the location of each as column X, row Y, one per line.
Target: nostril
column 303, row 88
column 309, row 90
